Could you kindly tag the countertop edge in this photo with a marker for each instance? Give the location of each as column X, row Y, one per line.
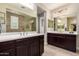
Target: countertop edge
column 20, row 37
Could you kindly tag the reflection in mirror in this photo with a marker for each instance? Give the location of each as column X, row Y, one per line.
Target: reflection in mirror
column 71, row 24
column 59, row 24
column 50, row 25
column 65, row 24
column 18, row 23
column 30, row 24
column 14, row 22
column 2, row 20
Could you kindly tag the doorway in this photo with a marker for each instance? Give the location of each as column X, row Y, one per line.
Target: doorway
column 41, row 14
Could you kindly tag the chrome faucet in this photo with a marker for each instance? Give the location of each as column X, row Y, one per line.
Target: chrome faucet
column 22, row 33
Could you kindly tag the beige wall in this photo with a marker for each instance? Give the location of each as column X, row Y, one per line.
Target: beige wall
column 77, row 44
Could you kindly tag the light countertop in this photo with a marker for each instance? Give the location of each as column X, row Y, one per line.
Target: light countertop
column 74, row 33
column 17, row 36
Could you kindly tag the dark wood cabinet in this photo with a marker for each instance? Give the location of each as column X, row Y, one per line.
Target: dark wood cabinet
column 37, row 46
column 34, row 49
column 65, row 41
column 70, row 42
column 34, row 46
column 22, row 51
column 41, row 44
column 8, row 52
column 7, row 48
column 22, row 47
column 31, row 46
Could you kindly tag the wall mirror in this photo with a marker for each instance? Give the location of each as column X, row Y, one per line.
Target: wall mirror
column 65, row 24
column 17, row 23
column 59, row 24
column 50, row 24
column 71, row 24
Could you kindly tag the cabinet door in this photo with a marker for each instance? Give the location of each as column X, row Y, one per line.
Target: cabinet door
column 22, row 51
column 34, row 47
column 41, row 43
column 60, row 40
column 34, row 50
column 71, row 43
column 9, row 52
column 52, row 40
column 22, row 47
column 56, row 39
column 7, row 48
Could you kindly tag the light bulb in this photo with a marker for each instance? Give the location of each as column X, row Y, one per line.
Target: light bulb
column 59, row 21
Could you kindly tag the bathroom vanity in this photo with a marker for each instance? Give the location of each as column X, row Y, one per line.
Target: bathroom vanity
column 31, row 45
column 62, row 40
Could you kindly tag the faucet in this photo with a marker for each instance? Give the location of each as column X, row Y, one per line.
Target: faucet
column 22, row 33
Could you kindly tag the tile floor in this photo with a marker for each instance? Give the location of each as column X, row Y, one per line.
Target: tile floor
column 55, row 51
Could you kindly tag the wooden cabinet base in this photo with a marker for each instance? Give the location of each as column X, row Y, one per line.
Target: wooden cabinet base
column 32, row 46
column 65, row 41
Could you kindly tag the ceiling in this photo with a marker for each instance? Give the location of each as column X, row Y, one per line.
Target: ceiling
column 23, row 6
column 52, row 6
column 20, row 9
